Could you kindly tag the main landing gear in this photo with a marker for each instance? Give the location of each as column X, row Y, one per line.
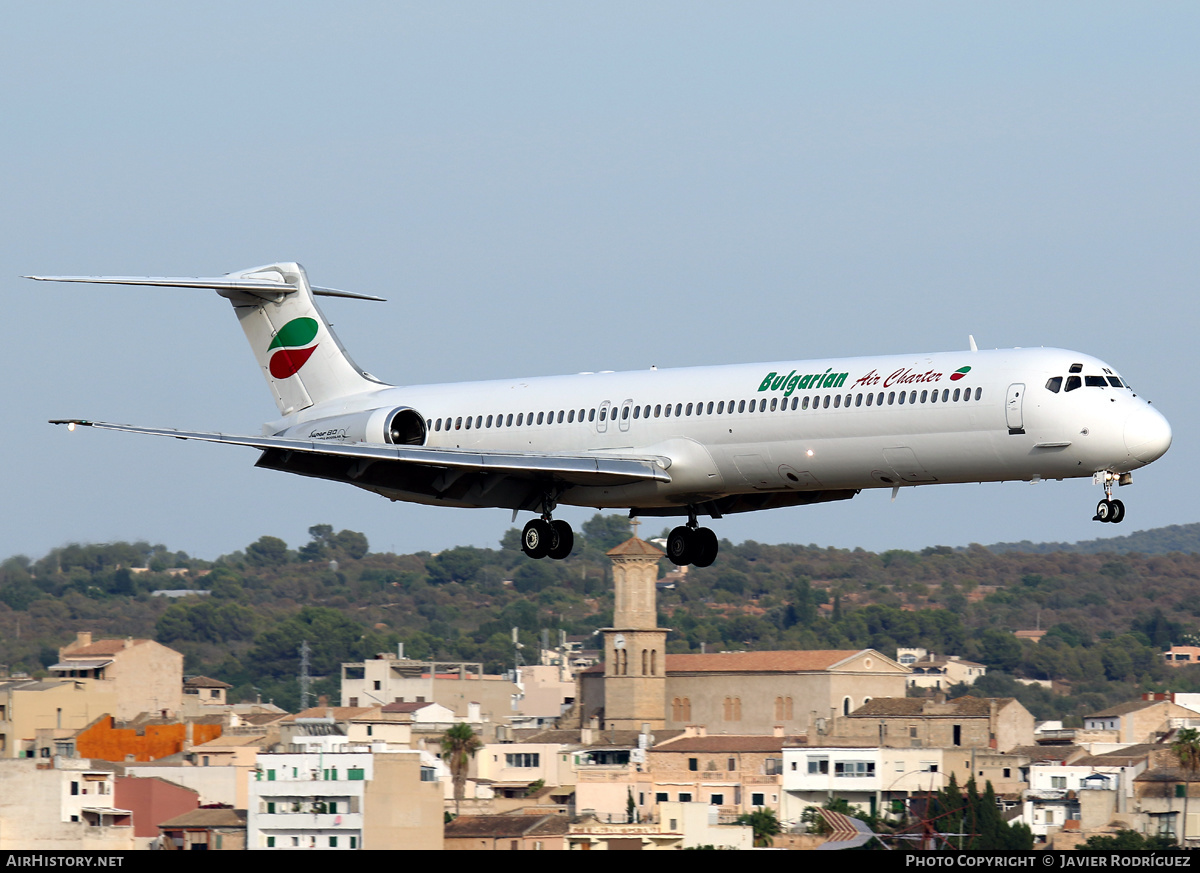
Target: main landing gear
column 691, row 544
column 546, row 538
column 1109, row 510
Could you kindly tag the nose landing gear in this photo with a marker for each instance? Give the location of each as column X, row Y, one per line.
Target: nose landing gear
column 1109, row 510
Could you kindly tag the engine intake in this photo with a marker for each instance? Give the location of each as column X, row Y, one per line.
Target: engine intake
column 397, row 426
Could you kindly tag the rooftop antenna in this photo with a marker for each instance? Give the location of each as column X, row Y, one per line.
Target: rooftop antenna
column 518, row 660
column 305, row 678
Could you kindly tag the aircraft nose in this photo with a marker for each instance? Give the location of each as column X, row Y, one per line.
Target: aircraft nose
column 1147, row 435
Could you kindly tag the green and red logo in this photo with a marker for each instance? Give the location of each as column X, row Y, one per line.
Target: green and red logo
column 295, row 344
column 959, row 373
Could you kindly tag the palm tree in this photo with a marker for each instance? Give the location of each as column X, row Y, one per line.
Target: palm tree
column 1187, row 751
column 459, row 745
column 764, row 824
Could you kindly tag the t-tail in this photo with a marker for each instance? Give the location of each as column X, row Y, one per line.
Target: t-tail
column 296, row 349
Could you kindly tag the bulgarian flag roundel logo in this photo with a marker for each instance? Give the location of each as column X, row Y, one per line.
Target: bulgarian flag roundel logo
column 295, row 346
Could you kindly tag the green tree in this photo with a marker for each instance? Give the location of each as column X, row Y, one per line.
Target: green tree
column 459, row 745
column 267, row 552
column 1130, row 841
column 1186, row 749
column 604, row 532
column 764, row 823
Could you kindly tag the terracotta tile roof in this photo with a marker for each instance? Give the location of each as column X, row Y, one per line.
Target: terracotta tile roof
column 1123, row 757
column 205, row 682
column 1064, row 752
column 506, row 826
column 635, row 547
column 103, row 647
column 340, row 713
column 913, row 707
column 766, row 662
column 721, row 743
column 207, row 818
column 406, row 707
column 617, row 739
column 1125, row 708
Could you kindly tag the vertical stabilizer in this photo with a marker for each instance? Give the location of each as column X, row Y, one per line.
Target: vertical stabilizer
column 297, row 351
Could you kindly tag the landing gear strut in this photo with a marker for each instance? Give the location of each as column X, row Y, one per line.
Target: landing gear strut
column 1109, row 510
column 544, row 537
column 692, row 544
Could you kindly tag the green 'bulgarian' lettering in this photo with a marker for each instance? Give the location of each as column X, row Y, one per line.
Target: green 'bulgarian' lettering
column 791, row 382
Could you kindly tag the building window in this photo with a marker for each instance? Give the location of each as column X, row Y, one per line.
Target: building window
column 522, row 759
column 756, row 799
column 854, row 769
column 716, row 799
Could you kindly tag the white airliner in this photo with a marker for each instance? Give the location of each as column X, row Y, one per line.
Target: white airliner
column 684, row 442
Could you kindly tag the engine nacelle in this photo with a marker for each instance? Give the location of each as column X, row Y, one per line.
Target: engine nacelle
column 399, row 426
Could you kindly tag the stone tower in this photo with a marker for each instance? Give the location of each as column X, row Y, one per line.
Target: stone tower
column 635, row 673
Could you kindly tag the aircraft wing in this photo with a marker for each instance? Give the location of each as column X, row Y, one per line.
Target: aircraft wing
column 352, row 461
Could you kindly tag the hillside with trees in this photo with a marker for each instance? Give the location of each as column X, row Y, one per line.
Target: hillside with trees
column 1107, row 616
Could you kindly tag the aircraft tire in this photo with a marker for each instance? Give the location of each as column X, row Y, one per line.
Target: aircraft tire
column 1118, row 512
column 680, row 546
column 1104, row 511
column 706, row 547
column 536, row 539
column 564, row 540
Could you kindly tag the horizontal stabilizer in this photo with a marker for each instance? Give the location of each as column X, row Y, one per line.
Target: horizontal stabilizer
column 233, row 282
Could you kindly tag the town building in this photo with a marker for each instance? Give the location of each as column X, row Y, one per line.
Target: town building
column 214, row 829
column 1137, row 721
column 513, row 832
column 39, row 719
column 966, row 722
column 334, row 795
column 62, row 804
column 144, row 675
column 734, row 774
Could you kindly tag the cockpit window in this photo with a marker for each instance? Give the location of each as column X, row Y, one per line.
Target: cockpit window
column 1075, row 368
column 1095, row 381
column 1074, row 382
column 1054, row 384
column 1115, row 382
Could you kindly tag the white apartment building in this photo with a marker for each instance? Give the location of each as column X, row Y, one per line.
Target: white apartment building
column 64, row 803
column 335, row 795
column 872, row 778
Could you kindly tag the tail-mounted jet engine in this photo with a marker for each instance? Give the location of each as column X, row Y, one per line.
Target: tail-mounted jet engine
column 401, row 426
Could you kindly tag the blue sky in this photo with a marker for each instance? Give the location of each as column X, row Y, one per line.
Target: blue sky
column 543, row 188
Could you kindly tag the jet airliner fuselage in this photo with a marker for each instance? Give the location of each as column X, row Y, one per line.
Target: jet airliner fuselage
column 677, row 442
